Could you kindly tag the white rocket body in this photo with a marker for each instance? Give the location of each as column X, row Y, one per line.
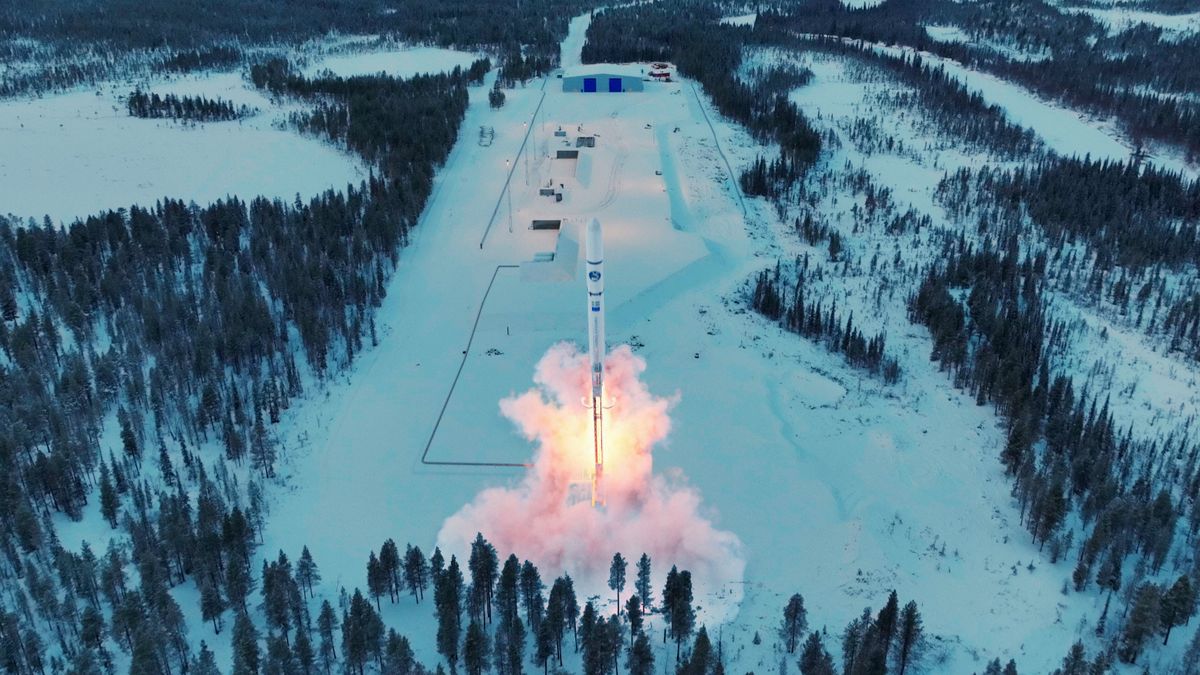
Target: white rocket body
column 594, row 257
column 594, row 253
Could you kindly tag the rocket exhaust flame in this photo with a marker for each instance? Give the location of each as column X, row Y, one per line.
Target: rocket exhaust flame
column 644, row 513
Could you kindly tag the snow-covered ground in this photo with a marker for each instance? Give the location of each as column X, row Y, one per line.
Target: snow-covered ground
column 1064, row 130
column 74, row 154
column 839, row 487
column 71, row 155
column 397, row 63
column 740, row 20
column 1117, row 19
column 947, row 33
column 1151, row 390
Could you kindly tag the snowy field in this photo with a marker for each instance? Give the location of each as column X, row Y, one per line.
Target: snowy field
column 401, row 63
column 1151, row 390
column 838, row 486
column 70, row 155
column 740, row 20
column 1064, row 130
column 1117, row 19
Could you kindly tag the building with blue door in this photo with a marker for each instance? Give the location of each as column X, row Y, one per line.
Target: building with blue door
column 607, row 78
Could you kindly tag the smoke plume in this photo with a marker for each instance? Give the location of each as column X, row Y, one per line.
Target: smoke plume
column 542, row 518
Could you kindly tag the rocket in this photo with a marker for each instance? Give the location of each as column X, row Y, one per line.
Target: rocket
column 594, row 257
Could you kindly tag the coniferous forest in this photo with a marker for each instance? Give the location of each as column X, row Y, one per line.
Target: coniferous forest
column 193, row 108
column 131, row 338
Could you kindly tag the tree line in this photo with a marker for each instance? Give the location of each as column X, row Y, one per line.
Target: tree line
column 1136, row 75
column 1069, row 461
column 798, row 313
column 1138, row 226
column 158, row 35
column 174, row 326
column 194, row 108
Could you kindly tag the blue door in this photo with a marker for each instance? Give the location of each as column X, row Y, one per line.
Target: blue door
column 614, row 85
column 589, row 84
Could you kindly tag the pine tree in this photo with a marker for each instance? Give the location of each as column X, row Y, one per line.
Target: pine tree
column 245, row 646
column 633, row 612
column 669, row 595
column 1178, row 605
column 508, row 591
column 416, row 572
column 327, row 623
column 555, row 620
column 307, row 573
column 570, row 607
column 910, row 637
column 642, row 585
column 886, row 621
column 699, row 661
column 91, row 628
column 129, row 440
column 279, row 660
column 677, row 602
column 237, row 584
column 641, row 656
column 303, row 652
column 361, row 633
column 531, row 595
column 515, row 652
column 110, row 502
column 795, row 622
column 437, row 565
column 377, row 579
column 398, row 656
column 212, row 605
column 1075, row 662
column 814, row 659
column 484, row 565
column 616, row 577
column 206, row 663
column 389, row 560
column 587, row 631
column 447, row 600
column 1143, row 622
column 475, row 650
column 544, row 647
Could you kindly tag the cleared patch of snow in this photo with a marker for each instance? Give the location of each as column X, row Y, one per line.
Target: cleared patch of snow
column 740, row 20
column 397, row 63
column 74, row 154
column 947, row 33
column 572, row 46
column 71, row 155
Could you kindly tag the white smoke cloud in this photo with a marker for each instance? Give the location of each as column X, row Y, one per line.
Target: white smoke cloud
column 645, row 512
